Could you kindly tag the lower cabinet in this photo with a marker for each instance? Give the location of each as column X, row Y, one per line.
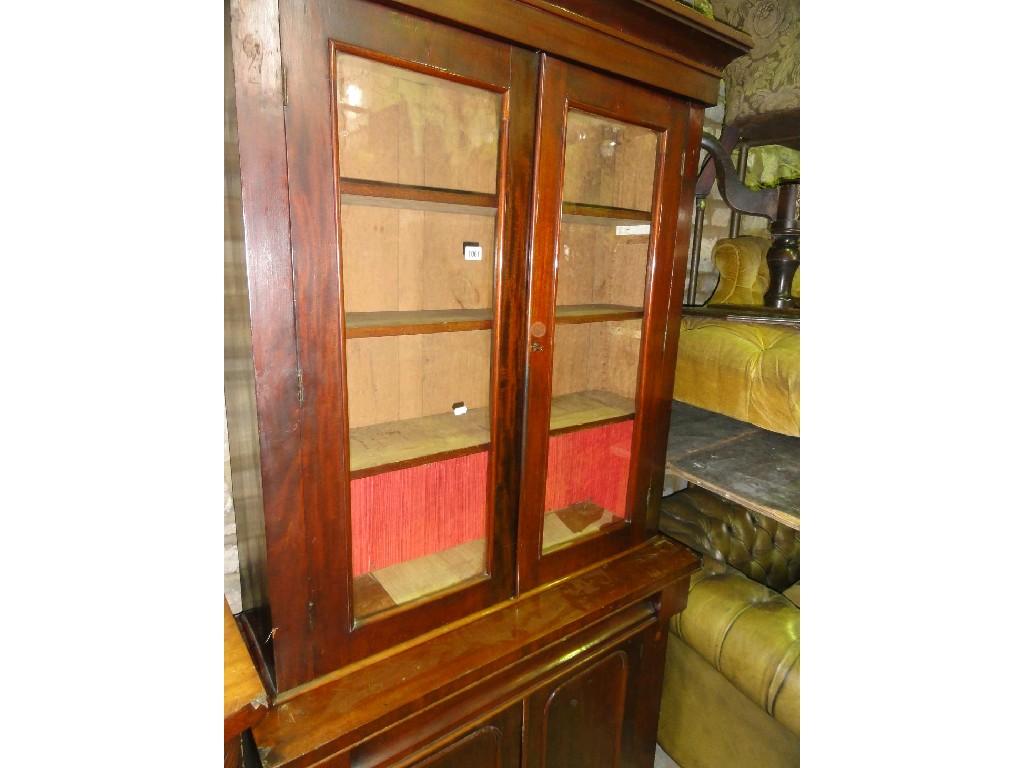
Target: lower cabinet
column 495, row 744
column 603, row 714
column 598, row 715
column 564, row 677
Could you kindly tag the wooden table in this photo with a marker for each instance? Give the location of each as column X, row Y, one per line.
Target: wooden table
column 245, row 700
column 741, row 313
column 755, row 468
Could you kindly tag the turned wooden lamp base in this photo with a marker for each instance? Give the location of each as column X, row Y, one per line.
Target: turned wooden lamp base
column 780, row 206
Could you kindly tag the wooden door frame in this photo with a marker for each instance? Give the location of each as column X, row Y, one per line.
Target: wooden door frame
column 564, row 86
column 329, row 636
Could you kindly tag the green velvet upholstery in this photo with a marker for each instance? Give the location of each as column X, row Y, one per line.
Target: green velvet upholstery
column 747, row 371
column 731, row 697
column 721, row 530
column 743, row 270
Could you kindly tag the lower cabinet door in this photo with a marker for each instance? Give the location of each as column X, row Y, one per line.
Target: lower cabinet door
column 494, row 744
column 603, row 714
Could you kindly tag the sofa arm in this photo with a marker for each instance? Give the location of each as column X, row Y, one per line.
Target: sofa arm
column 751, row 635
column 742, row 270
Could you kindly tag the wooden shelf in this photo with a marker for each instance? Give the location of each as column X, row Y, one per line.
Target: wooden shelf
column 596, row 313
column 581, row 213
column 409, row 442
column 360, row 325
column 412, row 580
column 410, row 197
column 588, row 409
column 564, row 527
column 742, row 313
column 413, row 322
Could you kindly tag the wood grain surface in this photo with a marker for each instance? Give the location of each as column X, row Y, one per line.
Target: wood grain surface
column 341, row 709
column 245, row 700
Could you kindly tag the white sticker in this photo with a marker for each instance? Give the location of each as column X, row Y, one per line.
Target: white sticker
column 473, row 251
column 460, row 410
column 633, row 229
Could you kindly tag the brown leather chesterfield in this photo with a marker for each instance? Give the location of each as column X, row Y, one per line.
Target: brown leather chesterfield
column 731, row 697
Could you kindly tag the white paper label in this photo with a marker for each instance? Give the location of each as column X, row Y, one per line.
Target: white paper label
column 473, row 252
column 460, row 410
column 633, row 229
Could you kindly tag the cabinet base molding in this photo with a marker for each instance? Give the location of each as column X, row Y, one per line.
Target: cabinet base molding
column 576, row 665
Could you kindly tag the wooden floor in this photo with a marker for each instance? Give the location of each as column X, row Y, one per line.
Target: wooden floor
column 404, row 582
column 753, row 467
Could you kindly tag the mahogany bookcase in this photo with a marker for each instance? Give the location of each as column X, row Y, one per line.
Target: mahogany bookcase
column 465, row 227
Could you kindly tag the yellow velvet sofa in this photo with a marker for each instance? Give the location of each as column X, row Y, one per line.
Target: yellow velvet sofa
column 749, row 371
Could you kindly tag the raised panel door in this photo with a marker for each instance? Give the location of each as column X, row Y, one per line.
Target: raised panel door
column 603, row 714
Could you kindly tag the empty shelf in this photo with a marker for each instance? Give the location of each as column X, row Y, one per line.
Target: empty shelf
column 411, row 197
column 405, row 323
column 397, row 444
column 581, row 213
column 411, row 322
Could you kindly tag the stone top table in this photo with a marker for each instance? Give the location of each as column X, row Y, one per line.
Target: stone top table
column 755, row 468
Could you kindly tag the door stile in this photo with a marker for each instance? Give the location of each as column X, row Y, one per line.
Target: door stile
column 543, row 244
column 692, row 123
column 566, row 87
column 508, row 395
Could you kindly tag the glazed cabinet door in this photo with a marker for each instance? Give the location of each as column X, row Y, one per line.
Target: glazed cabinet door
column 409, row 148
column 604, row 257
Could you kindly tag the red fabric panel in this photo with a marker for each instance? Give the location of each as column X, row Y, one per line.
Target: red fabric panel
column 408, row 513
column 590, row 465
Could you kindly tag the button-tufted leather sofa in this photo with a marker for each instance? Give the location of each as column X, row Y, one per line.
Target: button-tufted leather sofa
column 747, row 371
column 731, row 697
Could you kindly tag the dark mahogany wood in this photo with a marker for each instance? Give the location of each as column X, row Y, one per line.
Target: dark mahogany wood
column 784, row 254
column 446, row 680
column 265, row 216
column 661, row 405
column 496, row 743
column 311, row 34
column 580, row 721
column 564, row 85
column 689, row 62
column 777, row 127
column 743, row 313
column 404, row 700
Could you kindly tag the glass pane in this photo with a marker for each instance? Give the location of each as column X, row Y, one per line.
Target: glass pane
column 419, row 466
column 601, row 278
column 403, row 127
column 418, row 283
column 608, row 163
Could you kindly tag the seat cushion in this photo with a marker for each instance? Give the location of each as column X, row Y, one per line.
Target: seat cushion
column 746, row 371
column 751, row 635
